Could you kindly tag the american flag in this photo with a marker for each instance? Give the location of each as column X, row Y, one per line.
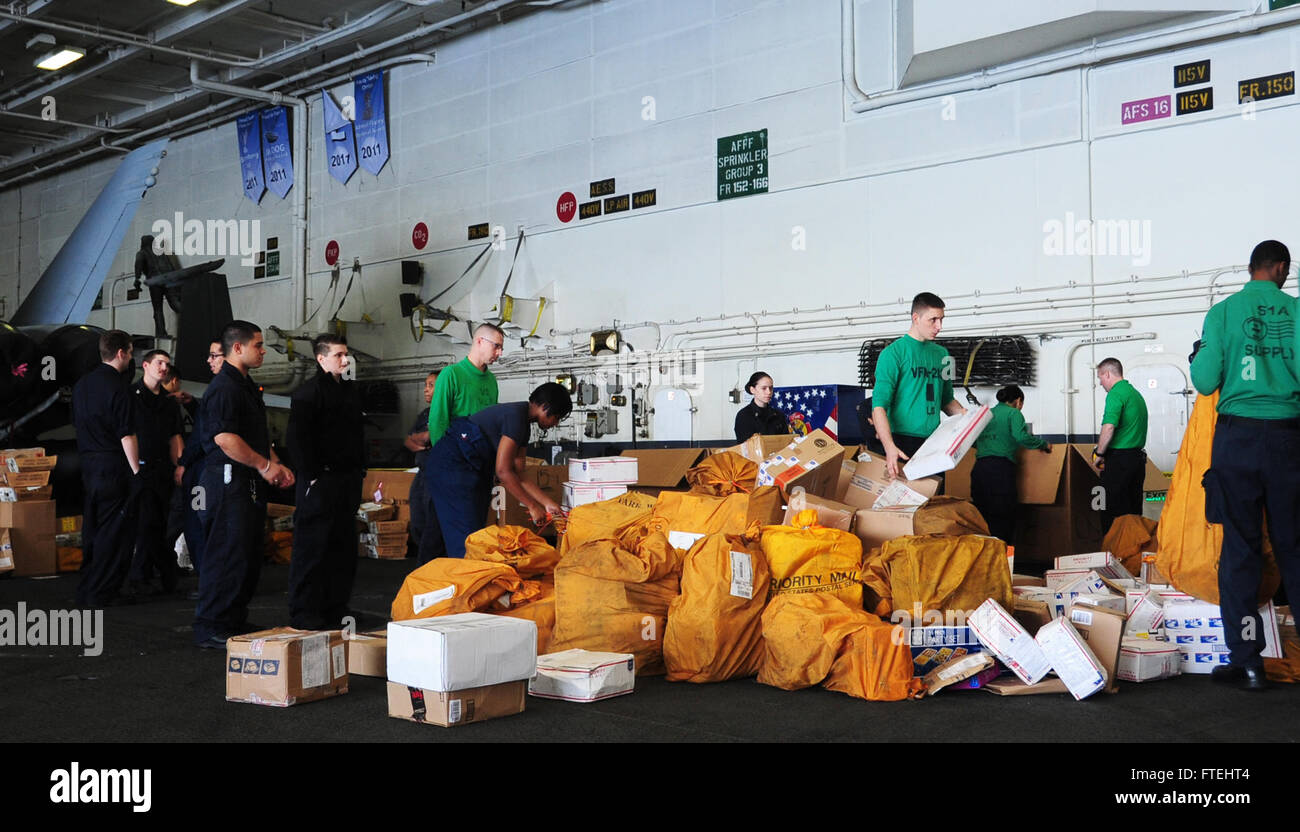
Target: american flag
column 808, row 408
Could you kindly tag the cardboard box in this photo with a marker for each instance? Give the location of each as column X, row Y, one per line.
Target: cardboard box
column 1031, row 613
column 1055, row 491
column 1103, row 629
column 31, row 527
column 393, row 539
column 1151, row 574
column 374, row 552
column 10, row 494
column 505, row 510
column 1064, row 596
column 1143, row 660
column 812, row 461
column 394, row 485
column 870, row 479
column 276, row 510
column 451, row 709
column 1147, row 615
column 6, row 552
column 1070, row 658
column 830, row 514
column 284, row 666
column 375, row 512
column 956, row 670
column 1196, row 628
column 459, row 652
column 385, row 527
column 368, row 654
column 1013, row 686
column 1106, row 600
column 1055, row 579
column 938, row 644
column 1104, row 563
column 27, row 479
column 612, row 470
column 581, row 494
column 1014, row 647
column 1027, row 580
column 13, row 459
column 949, row 443
column 757, row 447
column 664, row 469
column 849, row 467
column 583, row 675
column 23, row 464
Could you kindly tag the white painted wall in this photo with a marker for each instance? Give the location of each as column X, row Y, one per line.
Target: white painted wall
column 946, row 195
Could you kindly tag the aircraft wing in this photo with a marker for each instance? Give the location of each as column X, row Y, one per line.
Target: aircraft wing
column 67, row 290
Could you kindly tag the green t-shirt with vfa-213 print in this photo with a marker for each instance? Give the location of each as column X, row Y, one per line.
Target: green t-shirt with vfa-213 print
column 913, row 383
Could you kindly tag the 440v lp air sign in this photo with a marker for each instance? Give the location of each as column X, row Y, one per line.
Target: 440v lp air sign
column 742, row 164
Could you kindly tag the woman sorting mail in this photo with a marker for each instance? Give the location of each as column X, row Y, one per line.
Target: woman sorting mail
column 993, row 479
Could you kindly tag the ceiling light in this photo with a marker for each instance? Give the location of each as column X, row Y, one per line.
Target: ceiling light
column 182, row 2
column 61, row 58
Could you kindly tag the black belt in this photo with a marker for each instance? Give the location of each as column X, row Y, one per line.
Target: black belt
column 1113, row 451
column 1226, row 419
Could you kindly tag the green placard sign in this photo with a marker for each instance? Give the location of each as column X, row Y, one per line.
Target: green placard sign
column 1280, row 4
column 272, row 264
column 742, row 164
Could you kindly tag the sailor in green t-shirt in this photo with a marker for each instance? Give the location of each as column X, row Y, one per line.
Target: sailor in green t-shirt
column 913, row 384
column 1248, row 354
column 463, row 389
column 1120, row 447
column 993, row 479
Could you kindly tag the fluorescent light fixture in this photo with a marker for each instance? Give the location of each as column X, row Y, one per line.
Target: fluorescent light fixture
column 182, row 2
column 60, row 58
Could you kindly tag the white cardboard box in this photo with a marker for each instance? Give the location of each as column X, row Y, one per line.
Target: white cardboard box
column 613, row 470
column 1106, row 564
column 1102, row 599
column 1147, row 615
column 580, row 493
column 1011, row 643
column 1071, row 658
column 1057, row 578
column 944, row 448
column 1088, row 584
column 1196, row 628
column 1144, row 660
column 583, row 675
column 457, row 652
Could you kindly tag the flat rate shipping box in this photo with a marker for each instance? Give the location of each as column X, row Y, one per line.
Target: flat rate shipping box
column 583, row 675
column 1196, row 628
column 610, row 470
column 451, row 709
column 949, row 443
column 1009, row 641
column 1056, row 494
column 32, row 526
column 811, row 461
column 284, row 666
column 1072, row 661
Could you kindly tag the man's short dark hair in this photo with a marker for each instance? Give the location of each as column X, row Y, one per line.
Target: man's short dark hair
column 432, row 374
column 237, row 332
column 112, row 342
column 554, row 398
column 1267, row 253
column 493, row 327
column 321, row 344
column 1113, row 365
column 924, row 301
column 152, row 354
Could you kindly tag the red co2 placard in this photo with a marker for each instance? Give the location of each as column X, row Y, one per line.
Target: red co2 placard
column 420, row 235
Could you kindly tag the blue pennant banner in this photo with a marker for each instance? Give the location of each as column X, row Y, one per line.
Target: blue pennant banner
column 371, row 121
column 250, row 155
column 340, row 140
column 275, row 150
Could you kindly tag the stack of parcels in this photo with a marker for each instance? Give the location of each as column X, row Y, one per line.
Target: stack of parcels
column 279, row 533
column 27, row 520
column 284, row 666
column 381, row 536
column 459, row 669
column 887, row 509
column 598, row 479
column 68, row 543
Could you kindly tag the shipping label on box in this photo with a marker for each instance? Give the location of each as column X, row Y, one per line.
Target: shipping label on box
column 612, row 470
column 1057, row 578
column 1103, row 629
column 1009, row 641
column 583, row 675
column 458, row 652
column 1105, row 564
column 933, row 646
column 450, row 709
column 811, row 461
column 1071, row 658
column 870, row 479
column 1142, row 660
column 284, row 666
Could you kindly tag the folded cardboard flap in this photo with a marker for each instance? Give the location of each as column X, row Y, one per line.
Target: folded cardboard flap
column 830, row 514
column 664, row 467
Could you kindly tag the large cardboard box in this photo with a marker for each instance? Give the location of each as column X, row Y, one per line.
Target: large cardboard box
column 1145, row 660
column 368, row 654
column 1196, row 628
column 663, row 469
column 284, row 666
column 610, row 470
column 26, row 479
column 583, row 675
column 1105, row 564
column 28, row 493
column 868, row 482
column 811, row 461
column 932, row 646
column 1070, row 658
column 459, row 652
column 462, row 707
column 582, row 493
column 1056, row 492
column 32, row 526
column 17, row 464
column 506, row 510
column 1103, row 630
column 394, row 484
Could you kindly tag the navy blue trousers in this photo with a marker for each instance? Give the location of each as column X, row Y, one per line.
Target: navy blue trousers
column 107, row 528
column 459, row 471
column 232, row 558
column 324, row 562
column 1253, row 472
